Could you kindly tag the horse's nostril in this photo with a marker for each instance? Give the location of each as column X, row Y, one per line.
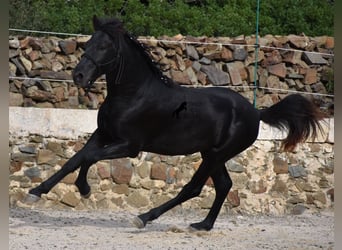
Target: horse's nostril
column 78, row 77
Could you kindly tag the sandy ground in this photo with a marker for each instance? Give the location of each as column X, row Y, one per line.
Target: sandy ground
column 106, row 230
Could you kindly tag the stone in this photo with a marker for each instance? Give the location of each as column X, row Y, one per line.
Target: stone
column 25, row 42
column 143, row 170
column 205, row 61
column 320, row 196
column 233, row 166
column 252, row 57
column 60, row 94
column 137, row 199
column 330, row 42
column 257, row 187
column 26, row 63
column 103, row 170
column 293, row 57
column 227, row 55
column 201, row 77
column 36, row 43
column 180, row 76
column 180, row 63
column 216, row 77
column 310, row 76
column 121, row 171
column 213, row 54
column 298, row 209
column 68, row 46
column 273, row 82
column 171, row 175
column 280, row 166
column 158, row 171
column 71, row 199
column 233, row 198
column 280, row 187
column 323, row 183
column 158, row 53
column 15, row 166
column 14, row 43
column 106, row 185
column 299, row 42
column 20, row 67
column 191, row 75
column 207, row 202
column 121, row 189
column 34, row 55
column 29, row 149
column 234, row 74
column 32, row 172
column 240, row 53
column 38, row 95
column 62, row 75
column 152, row 184
column 13, row 53
column 196, row 66
column 277, row 70
column 297, row 171
column 70, row 178
column 252, row 75
column 191, row 52
column 314, row 58
column 15, row 99
column 57, row 66
column 12, row 69
column 295, row 200
column 55, row 147
column 46, row 156
column 304, row 186
column 272, row 58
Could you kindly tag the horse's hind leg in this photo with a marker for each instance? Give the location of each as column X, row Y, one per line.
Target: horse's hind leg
column 190, row 190
column 81, row 181
column 222, row 184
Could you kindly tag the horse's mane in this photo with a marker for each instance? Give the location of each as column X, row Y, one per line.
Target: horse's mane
column 114, row 26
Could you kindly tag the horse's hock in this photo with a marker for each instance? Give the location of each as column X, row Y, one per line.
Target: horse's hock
column 265, row 180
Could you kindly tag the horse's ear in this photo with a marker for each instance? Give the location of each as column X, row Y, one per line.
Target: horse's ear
column 96, row 22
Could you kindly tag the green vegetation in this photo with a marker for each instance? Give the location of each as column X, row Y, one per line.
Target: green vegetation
column 171, row 17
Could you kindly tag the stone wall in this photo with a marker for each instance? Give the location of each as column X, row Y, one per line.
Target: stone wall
column 197, row 64
column 265, row 179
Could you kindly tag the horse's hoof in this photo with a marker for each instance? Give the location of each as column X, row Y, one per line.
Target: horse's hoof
column 198, row 227
column 31, row 198
column 86, row 196
column 138, row 222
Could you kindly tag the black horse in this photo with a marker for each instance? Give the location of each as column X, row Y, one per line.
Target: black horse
column 146, row 111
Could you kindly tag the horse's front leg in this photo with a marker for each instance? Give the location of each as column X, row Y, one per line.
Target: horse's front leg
column 70, row 166
column 112, row 151
column 92, row 152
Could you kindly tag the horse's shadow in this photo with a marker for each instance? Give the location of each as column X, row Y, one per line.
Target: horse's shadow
column 19, row 217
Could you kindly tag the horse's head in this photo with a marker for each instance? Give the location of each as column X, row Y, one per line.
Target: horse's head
column 101, row 53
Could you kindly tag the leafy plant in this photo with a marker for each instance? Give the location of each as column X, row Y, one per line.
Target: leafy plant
column 171, row 17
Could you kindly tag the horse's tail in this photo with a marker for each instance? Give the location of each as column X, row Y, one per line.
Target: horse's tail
column 298, row 115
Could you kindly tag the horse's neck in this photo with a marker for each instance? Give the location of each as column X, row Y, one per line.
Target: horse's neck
column 137, row 73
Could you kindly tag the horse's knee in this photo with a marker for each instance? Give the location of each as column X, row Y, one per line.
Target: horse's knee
column 190, row 191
